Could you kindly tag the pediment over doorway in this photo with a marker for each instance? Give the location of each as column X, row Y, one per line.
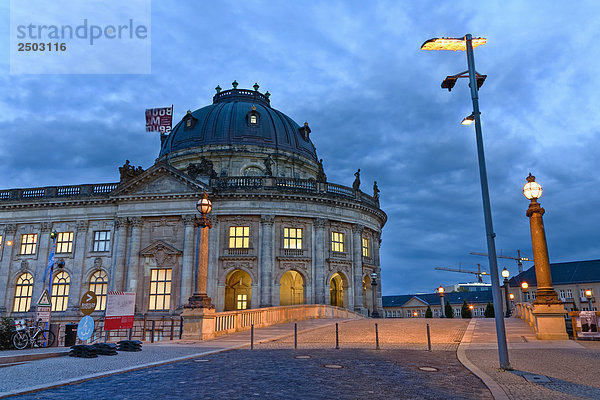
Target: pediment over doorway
column 164, row 254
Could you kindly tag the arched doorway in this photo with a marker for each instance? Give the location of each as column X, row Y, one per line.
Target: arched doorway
column 238, row 290
column 337, row 289
column 291, row 290
column 367, row 294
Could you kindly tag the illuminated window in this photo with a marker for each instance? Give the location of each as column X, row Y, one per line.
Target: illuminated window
column 239, row 237
column 101, row 240
column 365, row 248
column 337, row 242
column 292, row 238
column 64, row 242
column 253, row 119
column 99, row 285
column 23, row 292
column 60, row 291
column 28, row 243
column 242, row 301
column 160, row 289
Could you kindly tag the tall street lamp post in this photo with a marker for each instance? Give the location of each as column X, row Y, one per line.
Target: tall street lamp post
column 375, row 313
column 588, row 294
column 524, row 286
column 441, row 293
column 475, row 81
column 547, row 308
column 505, row 275
column 200, row 299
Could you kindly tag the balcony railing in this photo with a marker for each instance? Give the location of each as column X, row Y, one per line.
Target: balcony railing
column 292, row 252
column 238, row 251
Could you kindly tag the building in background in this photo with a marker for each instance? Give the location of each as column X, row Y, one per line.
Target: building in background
column 569, row 280
column 281, row 233
column 468, row 287
column 415, row 305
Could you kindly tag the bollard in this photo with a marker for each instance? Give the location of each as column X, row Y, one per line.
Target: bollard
column 252, row 337
column 152, row 338
column 428, row 339
column 180, row 326
column 295, row 335
column 376, row 338
column 172, row 328
column 337, row 337
column 130, row 333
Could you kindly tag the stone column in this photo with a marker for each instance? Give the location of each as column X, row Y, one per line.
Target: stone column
column 213, row 258
column 133, row 262
column 266, row 260
column 43, row 252
column 319, row 256
column 118, row 254
column 7, row 255
column 78, row 287
column 187, row 262
column 377, row 262
column 357, row 266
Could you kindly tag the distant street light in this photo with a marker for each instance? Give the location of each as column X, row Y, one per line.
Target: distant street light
column 374, row 314
column 441, row 293
column 505, row 275
column 524, row 286
column 468, row 120
column 468, row 43
column 588, row 294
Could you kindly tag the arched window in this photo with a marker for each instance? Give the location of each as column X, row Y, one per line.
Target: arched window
column 99, row 285
column 60, row 291
column 23, row 291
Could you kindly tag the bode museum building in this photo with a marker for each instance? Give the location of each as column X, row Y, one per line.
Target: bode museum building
column 281, row 233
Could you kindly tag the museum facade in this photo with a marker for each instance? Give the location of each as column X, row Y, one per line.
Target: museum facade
column 281, row 233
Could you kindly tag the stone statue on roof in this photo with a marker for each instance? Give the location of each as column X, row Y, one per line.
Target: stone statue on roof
column 356, row 184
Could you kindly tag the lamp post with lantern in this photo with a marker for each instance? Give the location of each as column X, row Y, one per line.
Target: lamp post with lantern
column 588, row 295
column 200, row 299
column 505, row 275
column 524, row 286
column 548, row 309
column 441, row 293
column 375, row 313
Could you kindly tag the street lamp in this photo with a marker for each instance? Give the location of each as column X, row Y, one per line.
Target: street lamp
column 468, row 43
column 545, row 293
column 588, row 294
column 373, row 275
column 200, row 299
column 512, row 298
column 524, row 286
column 441, row 293
column 505, row 275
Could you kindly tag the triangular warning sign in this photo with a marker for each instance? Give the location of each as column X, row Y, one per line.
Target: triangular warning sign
column 44, row 299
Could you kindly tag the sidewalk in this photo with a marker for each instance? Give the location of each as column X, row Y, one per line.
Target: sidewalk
column 58, row 371
column 543, row 369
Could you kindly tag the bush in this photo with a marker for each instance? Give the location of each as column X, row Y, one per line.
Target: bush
column 448, row 311
column 465, row 311
column 428, row 313
column 489, row 311
column 6, row 329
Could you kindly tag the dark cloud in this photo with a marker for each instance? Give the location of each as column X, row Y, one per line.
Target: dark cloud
column 354, row 71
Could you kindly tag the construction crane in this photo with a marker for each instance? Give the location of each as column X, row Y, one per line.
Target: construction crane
column 478, row 273
column 518, row 258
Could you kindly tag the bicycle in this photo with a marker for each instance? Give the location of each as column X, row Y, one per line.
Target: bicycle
column 37, row 335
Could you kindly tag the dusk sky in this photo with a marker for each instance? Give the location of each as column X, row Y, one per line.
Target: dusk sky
column 354, row 70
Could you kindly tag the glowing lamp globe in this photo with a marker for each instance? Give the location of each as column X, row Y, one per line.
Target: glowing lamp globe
column 505, row 273
column 440, row 290
column 532, row 189
column 204, row 205
column 512, row 296
column 524, row 285
column 588, row 293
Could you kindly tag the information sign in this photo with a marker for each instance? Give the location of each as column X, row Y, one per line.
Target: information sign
column 120, row 307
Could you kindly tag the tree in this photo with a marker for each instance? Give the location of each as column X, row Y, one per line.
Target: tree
column 489, row 311
column 428, row 313
column 465, row 311
column 448, row 311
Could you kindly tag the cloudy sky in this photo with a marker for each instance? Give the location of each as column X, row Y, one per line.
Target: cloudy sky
column 354, row 71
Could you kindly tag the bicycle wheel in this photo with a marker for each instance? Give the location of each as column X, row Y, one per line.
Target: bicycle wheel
column 45, row 339
column 20, row 340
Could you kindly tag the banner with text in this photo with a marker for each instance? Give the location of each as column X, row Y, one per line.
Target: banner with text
column 159, row 119
column 120, row 307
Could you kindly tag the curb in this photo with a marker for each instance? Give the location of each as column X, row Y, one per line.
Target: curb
column 497, row 392
column 99, row 375
column 18, row 358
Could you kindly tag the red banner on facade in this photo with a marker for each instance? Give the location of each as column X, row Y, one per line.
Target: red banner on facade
column 111, row 323
column 159, row 120
column 120, row 307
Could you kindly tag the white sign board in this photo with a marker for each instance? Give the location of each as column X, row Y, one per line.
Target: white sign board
column 43, row 313
column 120, row 307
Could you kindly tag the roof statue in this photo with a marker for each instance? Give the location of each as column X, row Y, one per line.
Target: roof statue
column 321, row 177
column 268, row 163
column 375, row 192
column 356, row 183
column 128, row 171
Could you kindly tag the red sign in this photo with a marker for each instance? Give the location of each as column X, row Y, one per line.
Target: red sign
column 159, row 119
column 120, row 307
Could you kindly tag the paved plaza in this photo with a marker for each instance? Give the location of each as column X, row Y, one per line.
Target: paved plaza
column 463, row 364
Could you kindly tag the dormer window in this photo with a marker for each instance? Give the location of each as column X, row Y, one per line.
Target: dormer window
column 253, row 117
column 189, row 121
column 305, row 132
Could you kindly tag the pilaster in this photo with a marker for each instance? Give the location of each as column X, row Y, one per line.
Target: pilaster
column 133, row 260
column 119, row 256
column 266, row 260
column 43, row 251
column 187, row 262
column 78, row 270
column 319, row 257
column 7, row 254
column 357, row 266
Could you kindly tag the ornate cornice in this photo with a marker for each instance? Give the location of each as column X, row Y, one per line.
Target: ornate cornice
column 45, row 227
column 188, row 219
column 319, row 222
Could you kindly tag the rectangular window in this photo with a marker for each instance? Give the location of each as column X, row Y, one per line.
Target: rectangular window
column 101, row 240
column 242, row 301
column 64, row 242
column 561, row 293
column 292, row 238
column 28, row 243
column 239, row 237
column 365, row 248
column 569, row 294
column 532, row 295
column 160, row 289
column 582, row 293
column 337, row 242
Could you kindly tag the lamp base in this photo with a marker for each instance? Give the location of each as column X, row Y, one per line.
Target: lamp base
column 199, row 300
column 199, row 323
column 550, row 321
